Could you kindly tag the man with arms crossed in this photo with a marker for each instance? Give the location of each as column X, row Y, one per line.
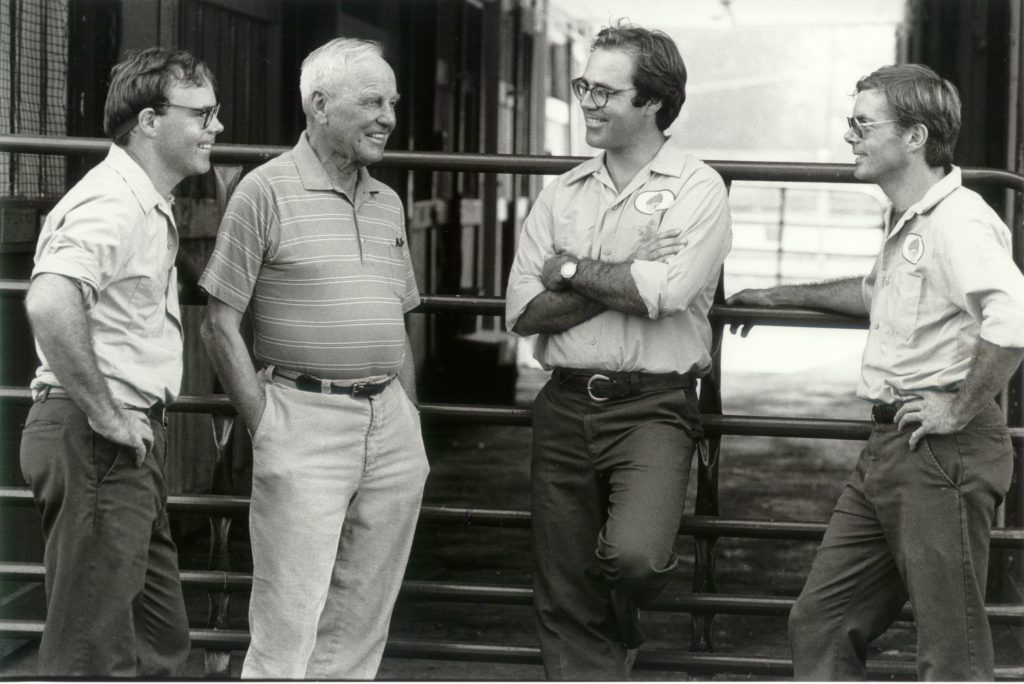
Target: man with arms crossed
column 103, row 305
column 946, row 306
column 617, row 267
column 316, row 248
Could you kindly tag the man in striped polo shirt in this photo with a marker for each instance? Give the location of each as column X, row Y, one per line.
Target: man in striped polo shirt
column 316, row 250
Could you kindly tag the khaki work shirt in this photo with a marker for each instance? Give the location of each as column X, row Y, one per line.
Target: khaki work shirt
column 945, row 277
column 115, row 236
column 582, row 213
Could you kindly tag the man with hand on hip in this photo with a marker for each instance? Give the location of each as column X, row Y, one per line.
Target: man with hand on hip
column 946, row 308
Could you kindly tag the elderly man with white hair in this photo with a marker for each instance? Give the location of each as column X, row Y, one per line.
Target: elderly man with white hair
column 316, row 250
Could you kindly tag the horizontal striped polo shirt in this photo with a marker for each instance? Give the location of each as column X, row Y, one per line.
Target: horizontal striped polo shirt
column 327, row 279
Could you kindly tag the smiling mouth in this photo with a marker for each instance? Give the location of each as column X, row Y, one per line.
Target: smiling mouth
column 206, row 146
column 378, row 137
column 591, row 121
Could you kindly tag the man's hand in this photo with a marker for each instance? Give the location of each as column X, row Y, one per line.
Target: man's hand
column 551, row 274
column 936, row 412
column 127, row 428
column 659, row 246
column 748, row 297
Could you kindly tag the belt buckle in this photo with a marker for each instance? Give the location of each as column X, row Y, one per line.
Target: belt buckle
column 361, row 389
column 590, row 390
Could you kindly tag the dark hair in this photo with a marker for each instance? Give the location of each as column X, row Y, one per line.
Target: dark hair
column 659, row 72
column 917, row 95
column 142, row 79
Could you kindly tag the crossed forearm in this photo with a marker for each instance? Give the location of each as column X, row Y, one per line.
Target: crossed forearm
column 555, row 311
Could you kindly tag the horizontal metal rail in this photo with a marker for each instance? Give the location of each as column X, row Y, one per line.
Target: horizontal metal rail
column 694, row 525
column 682, row 661
column 715, row 424
column 457, row 592
column 495, row 306
column 501, row 163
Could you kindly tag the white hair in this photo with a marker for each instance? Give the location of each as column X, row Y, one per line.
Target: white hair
column 325, row 66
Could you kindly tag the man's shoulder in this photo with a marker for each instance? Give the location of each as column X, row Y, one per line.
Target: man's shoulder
column 964, row 206
column 102, row 190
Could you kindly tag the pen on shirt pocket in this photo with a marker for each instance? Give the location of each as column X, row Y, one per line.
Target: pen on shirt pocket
column 399, row 242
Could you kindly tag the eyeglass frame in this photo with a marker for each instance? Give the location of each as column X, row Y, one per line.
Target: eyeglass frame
column 208, row 113
column 858, row 126
column 593, row 90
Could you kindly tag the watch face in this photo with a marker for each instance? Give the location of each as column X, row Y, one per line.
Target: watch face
column 568, row 270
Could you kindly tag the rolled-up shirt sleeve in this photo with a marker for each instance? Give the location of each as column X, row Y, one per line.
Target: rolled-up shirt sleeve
column 87, row 246
column 980, row 276
column 536, row 245
column 703, row 216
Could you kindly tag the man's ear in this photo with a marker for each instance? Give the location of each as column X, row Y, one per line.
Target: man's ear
column 653, row 106
column 917, row 136
column 318, row 106
column 148, row 122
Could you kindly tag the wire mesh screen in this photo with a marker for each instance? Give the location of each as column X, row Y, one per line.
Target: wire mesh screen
column 33, row 92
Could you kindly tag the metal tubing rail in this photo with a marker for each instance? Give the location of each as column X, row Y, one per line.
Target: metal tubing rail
column 495, row 306
column 457, row 592
column 694, row 525
column 500, row 163
column 683, row 661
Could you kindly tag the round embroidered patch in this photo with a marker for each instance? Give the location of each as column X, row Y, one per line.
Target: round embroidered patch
column 653, row 200
column 913, row 248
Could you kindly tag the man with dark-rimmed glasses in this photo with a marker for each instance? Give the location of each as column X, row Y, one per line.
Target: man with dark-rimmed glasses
column 616, row 270
column 104, row 310
column 946, row 308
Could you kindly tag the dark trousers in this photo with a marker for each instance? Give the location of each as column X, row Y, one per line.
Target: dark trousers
column 608, row 487
column 114, row 601
column 909, row 524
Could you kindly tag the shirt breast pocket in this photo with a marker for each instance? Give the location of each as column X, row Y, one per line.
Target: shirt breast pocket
column 907, row 304
column 148, row 305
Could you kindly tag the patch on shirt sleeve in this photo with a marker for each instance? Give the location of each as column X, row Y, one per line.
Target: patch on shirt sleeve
column 913, row 248
column 653, row 200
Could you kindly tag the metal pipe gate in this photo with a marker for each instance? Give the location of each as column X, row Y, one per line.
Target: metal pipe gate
column 706, row 527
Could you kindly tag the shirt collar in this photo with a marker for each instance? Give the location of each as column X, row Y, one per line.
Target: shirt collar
column 314, row 176
column 935, row 194
column 137, row 179
column 668, row 161
column 938, row 192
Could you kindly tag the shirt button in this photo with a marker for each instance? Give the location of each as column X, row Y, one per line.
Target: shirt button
column 875, row 326
column 606, row 252
column 593, row 341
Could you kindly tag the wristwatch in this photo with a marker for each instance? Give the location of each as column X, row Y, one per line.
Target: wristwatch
column 568, row 270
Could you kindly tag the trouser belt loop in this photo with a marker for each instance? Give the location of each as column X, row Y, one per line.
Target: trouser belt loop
column 44, row 394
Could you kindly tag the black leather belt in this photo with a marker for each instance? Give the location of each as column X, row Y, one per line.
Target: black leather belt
column 885, row 414
column 605, row 385
column 309, row 383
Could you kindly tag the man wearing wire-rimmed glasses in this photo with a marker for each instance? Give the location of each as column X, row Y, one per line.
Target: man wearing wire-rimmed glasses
column 616, row 270
column 946, row 308
column 103, row 305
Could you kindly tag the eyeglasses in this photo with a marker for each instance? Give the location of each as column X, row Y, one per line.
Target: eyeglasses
column 859, row 126
column 208, row 113
column 599, row 95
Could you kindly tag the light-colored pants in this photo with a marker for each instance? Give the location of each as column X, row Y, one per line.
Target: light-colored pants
column 909, row 524
column 337, row 486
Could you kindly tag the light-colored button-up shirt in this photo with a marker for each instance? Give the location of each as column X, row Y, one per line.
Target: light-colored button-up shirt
column 945, row 277
column 583, row 214
column 114, row 234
